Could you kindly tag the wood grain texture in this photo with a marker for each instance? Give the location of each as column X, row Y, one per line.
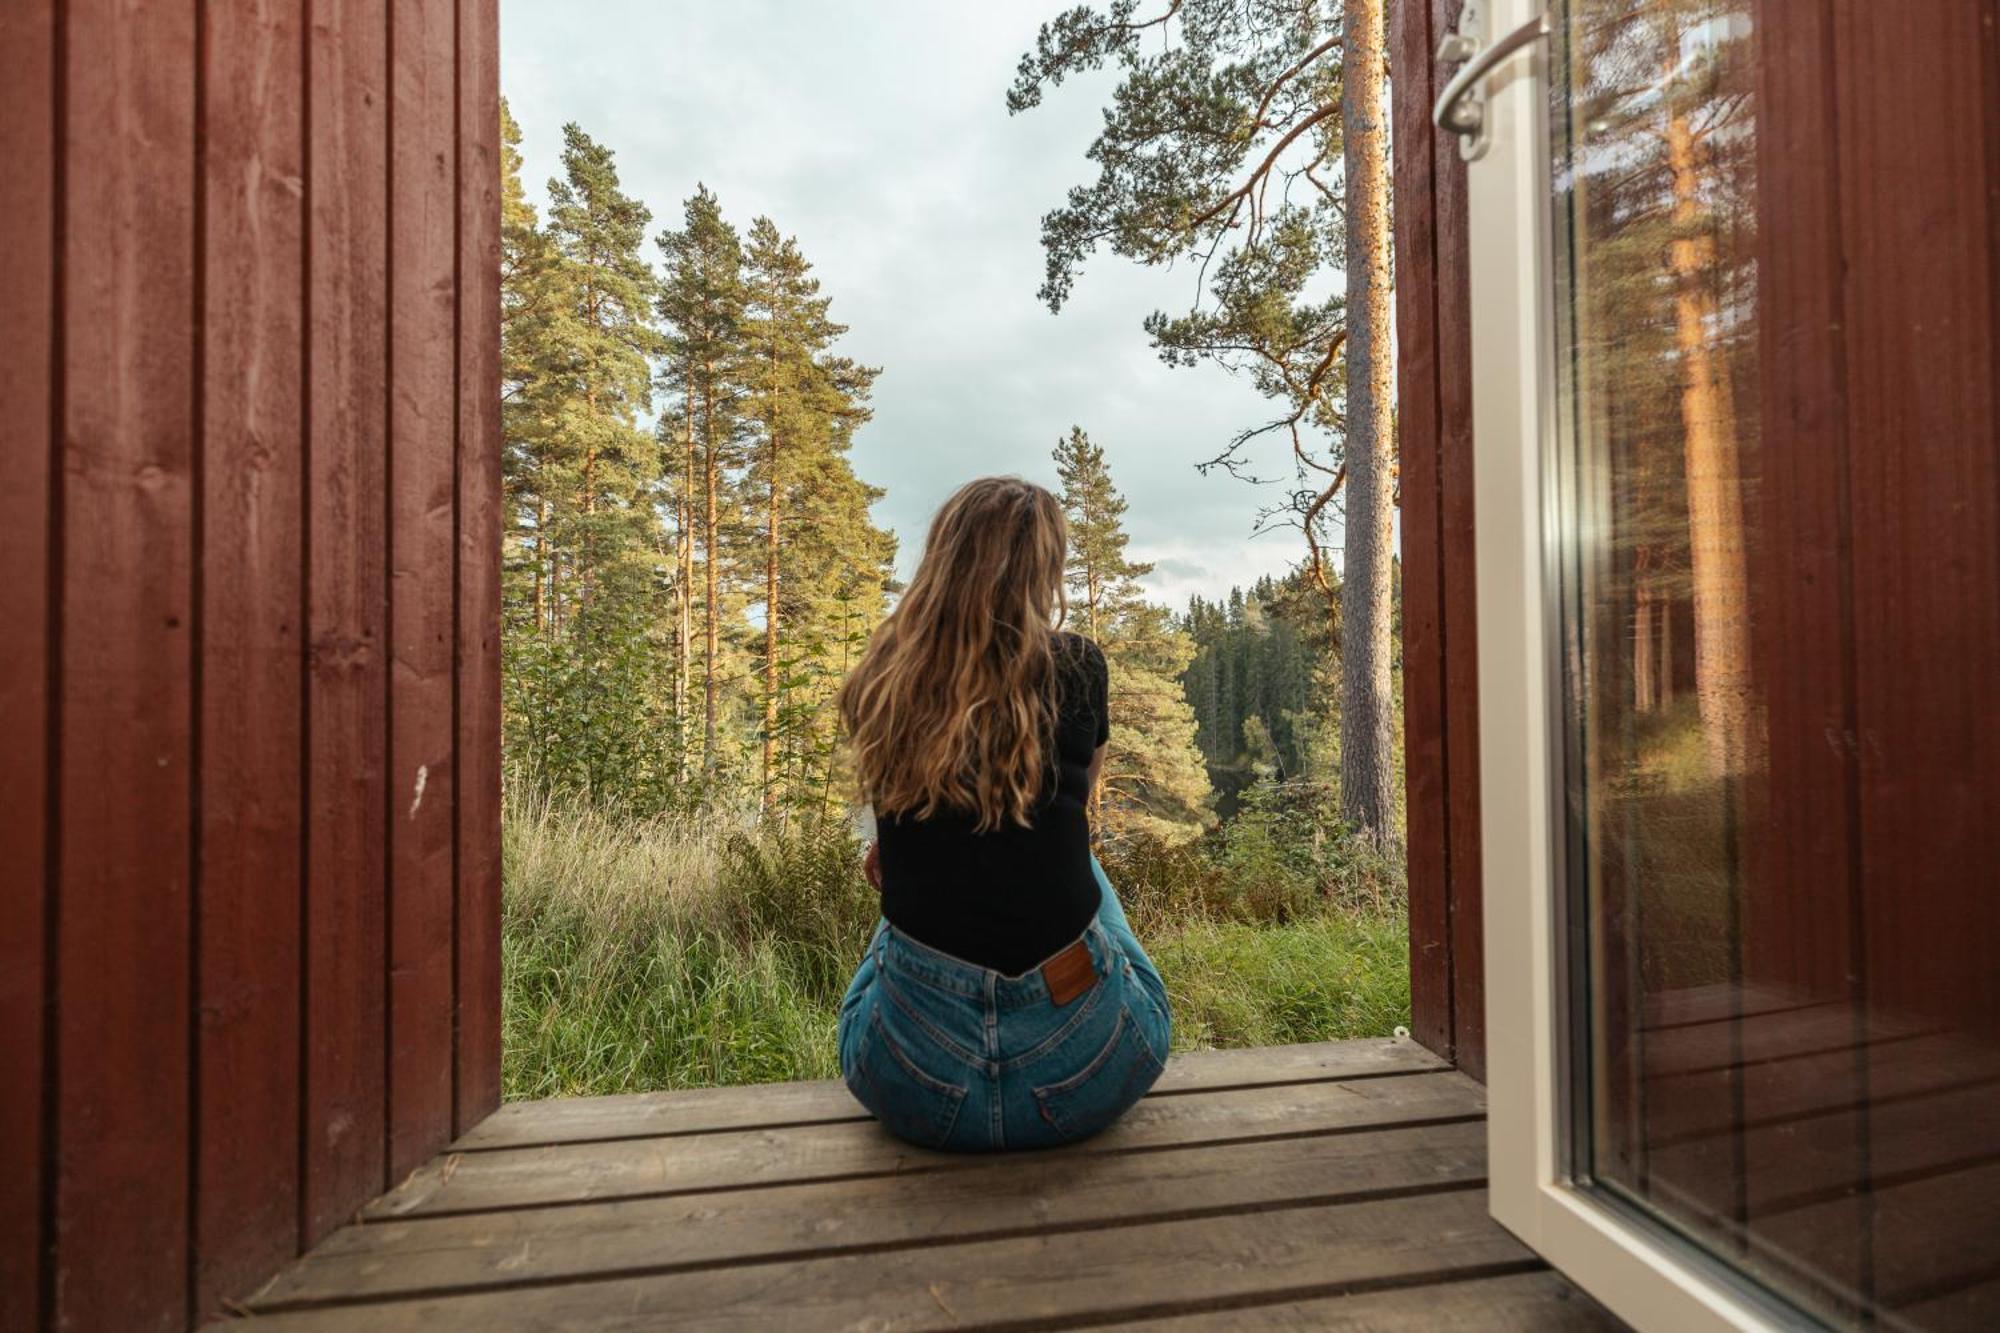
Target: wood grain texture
column 732, row 1159
column 1799, row 917
column 1917, row 217
column 422, row 494
column 477, row 997
column 1146, row 1269
column 251, row 808
column 1542, row 1301
column 1426, row 794
column 1461, row 644
column 27, row 298
column 1240, row 1191
column 345, row 1149
column 128, row 556
column 778, row 1105
column 200, row 284
column 992, row 1197
column 1440, row 656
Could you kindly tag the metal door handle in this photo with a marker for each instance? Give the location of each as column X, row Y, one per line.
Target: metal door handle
column 1461, row 107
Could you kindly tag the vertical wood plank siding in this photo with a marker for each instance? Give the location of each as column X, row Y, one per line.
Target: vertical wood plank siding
column 122, row 1128
column 477, row 677
column 1917, row 162
column 29, row 190
column 346, row 1101
column 421, row 509
column 248, row 273
column 1440, row 658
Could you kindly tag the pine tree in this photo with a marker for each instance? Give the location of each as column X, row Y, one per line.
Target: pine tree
column 702, row 302
column 536, row 376
column 1154, row 782
column 1669, row 235
column 608, row 462
column 578, row 469
column 1367, row 759
column 794, row 393
column 1097, row 538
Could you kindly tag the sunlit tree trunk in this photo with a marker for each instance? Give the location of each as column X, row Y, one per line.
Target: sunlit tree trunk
column 1367, row 797
column 684, row 574
column 1714, row 472
column 1645, row 685
column 710, row 525
column 771, row 622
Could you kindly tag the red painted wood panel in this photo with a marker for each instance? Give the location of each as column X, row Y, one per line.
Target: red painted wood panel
column 1440, row 656
column 1918, row 217
column 27, row 293
column 423, row 220
column 1805, row 817
column 249, row 829
column 1798, row 915
column 215, row 221
column 1426, row 798
column 1461, row 644
column 345, row 1130
column 478, row 666
column 126, row 785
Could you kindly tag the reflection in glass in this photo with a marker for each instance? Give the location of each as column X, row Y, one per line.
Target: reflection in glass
column 1742, row 1072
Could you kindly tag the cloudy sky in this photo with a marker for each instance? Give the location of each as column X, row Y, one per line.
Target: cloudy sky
column 876, row 132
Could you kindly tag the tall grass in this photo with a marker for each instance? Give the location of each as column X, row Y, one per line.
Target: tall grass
column 705, row 949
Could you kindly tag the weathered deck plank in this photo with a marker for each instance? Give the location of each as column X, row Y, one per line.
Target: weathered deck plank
column 1544, row 1301
column 1338, row 1185
column 994, row 1198
column 738, row 1158
column 1153, row 1268
column 1774, row 1035
column 769, row 1106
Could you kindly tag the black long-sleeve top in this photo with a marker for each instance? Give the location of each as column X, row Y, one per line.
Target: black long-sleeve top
column 1012, row 897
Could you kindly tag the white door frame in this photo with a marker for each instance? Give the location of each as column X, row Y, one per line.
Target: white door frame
column 1644, row 1277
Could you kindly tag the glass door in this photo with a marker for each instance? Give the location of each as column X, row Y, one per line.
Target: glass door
column 1745, row 1066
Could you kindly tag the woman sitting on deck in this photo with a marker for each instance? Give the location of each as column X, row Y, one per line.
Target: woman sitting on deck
column 1004, row 1001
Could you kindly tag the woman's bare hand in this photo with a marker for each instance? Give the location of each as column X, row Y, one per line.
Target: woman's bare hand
column 871, row 865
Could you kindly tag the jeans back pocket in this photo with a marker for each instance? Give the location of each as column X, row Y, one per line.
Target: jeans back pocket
column 1089, row 1100
column 913, row 1104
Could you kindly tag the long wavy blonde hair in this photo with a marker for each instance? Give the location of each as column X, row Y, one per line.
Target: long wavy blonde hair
column 953, row 704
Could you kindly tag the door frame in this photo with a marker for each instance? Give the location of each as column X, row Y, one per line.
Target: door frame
column 1642, row 1272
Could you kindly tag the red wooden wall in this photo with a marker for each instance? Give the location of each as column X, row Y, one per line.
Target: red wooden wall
column 1878, row 643
column 249, row 702
column 1440, row 654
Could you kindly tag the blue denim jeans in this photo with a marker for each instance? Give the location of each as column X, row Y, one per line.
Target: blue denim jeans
column 947, row 1054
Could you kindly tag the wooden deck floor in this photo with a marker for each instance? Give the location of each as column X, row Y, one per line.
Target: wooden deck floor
column 1338, row 1185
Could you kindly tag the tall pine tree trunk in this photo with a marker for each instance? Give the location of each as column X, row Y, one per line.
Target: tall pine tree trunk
column 1367, row 797
column 684, row 571
column 1714, row 475
column 709, row 525
column 771, row 624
